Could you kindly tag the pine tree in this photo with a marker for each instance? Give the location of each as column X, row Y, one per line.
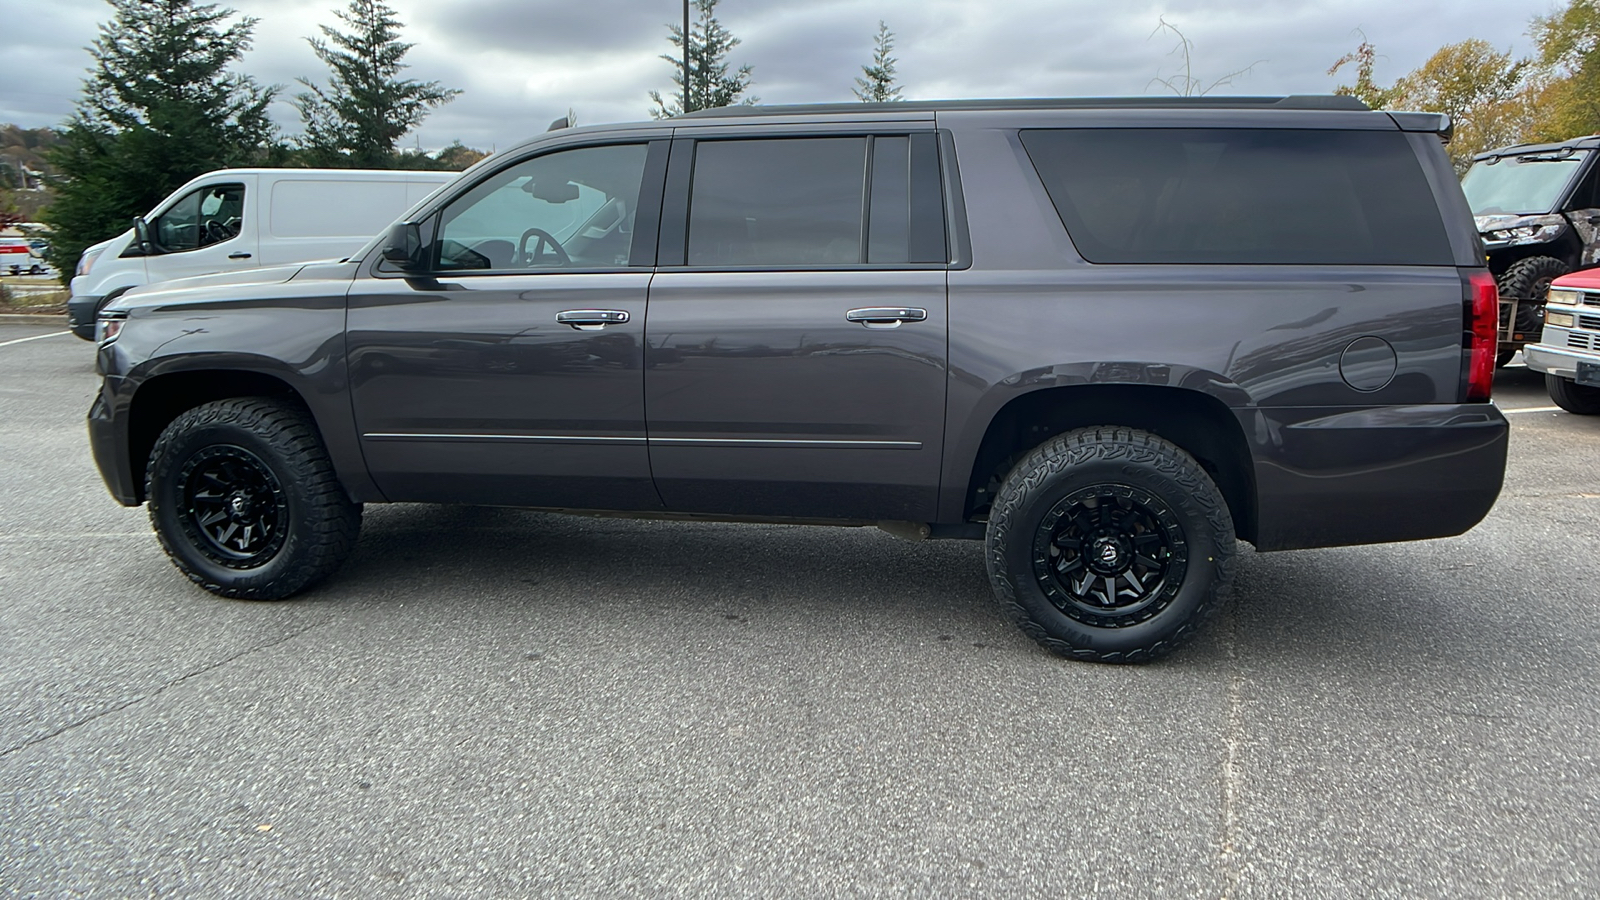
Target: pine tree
column 879, row 86
column 710, row 84
column 360, row 117
column 159, row 107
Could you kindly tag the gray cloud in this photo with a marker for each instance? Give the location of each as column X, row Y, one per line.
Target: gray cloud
column 522, row 63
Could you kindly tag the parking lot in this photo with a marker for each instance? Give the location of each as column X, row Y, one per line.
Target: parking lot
column 495, row 703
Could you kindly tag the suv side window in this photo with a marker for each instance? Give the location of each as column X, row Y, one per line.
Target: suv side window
column 209, row 215
column 777, row 202
column 568, row 209
column 1246, row 196
column 817, row 201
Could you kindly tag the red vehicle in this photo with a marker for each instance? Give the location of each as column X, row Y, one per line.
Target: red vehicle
column 1568, row 353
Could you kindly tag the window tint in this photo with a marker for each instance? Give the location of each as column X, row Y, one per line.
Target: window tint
column 1240, row 196
column 784, row 202
column 200, row 218
column 568, row 209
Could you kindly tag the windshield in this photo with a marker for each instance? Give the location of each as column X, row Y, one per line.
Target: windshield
column 1525, row 186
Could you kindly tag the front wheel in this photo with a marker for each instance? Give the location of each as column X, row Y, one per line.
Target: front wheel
column 1109, row 544
column 1572, row 396
column 245, row 500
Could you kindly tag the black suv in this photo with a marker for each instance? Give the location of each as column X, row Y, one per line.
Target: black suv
column 1107, row 337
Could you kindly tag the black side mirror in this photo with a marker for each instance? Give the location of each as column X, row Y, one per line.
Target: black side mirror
column 141, row 236
column 402, row 247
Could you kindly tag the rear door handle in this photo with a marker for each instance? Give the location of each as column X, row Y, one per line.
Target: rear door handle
column 240, row 255
column 886, row 316
column 591, row 319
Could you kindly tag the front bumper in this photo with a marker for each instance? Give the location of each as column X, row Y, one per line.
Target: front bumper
column 81, row 311
column 108, row 441
column 1557, row 361
column 1329, row 477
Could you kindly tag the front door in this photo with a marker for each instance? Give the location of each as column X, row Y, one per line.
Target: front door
column 514, row 374
column 796, row 360
column 203, row 232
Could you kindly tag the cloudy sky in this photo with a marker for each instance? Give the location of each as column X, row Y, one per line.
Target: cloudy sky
column 522, row 63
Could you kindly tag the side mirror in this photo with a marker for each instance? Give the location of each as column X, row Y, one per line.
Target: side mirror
column 402, row 247
column 141, row 236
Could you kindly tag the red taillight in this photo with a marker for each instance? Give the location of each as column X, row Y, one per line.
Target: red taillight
column 1482, row 334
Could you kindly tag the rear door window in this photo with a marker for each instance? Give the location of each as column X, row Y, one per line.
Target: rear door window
column 1252, row 196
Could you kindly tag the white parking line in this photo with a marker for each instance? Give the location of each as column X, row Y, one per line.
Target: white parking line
column 1532, row 409
column 37, row 337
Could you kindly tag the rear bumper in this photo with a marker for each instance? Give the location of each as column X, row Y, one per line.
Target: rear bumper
column 81, row 311
column 1331, row 477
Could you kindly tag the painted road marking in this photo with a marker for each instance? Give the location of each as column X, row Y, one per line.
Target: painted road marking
column 37, row 337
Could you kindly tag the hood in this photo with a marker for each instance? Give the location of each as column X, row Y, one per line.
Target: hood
column 1586, row 280
column 221, row 286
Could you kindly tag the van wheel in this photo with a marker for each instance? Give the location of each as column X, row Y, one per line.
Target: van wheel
column 245, row 501
column 1572, row 396
column 1110, row 545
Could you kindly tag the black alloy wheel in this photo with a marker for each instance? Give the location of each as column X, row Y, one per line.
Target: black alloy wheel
column 234, row 507
column 1109, row 544
column 1110, row 554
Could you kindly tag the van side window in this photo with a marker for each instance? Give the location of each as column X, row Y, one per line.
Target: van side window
column 568, row 209
column 209, row 215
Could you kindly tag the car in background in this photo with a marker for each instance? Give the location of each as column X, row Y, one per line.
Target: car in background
column 232, row 220
column 1537, row 207
column 1569, row 351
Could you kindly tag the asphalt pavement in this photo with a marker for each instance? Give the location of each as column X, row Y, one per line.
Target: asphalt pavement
column 497, row 703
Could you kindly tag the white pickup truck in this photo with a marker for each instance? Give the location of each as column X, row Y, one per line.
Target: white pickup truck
column 1568, row 353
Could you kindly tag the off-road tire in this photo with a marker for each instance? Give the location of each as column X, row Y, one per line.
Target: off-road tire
column 1573, row 397
column 1528, row 279
column 1119, row 460
column 316, row 524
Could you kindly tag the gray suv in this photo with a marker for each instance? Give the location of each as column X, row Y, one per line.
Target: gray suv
column 1107, row 337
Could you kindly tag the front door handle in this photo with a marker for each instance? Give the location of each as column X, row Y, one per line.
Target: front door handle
column 591, row 319
column 240, row 255
column 886, row 316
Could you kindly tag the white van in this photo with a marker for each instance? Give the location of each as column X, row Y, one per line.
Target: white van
column 243, row 218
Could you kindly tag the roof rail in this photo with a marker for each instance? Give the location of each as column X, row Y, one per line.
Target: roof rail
column 1295, row 101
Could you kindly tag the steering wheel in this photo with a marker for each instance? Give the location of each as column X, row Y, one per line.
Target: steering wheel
column 546, row 242
column 220, row 231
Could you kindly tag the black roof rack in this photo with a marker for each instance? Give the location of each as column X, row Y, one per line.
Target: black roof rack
column 1586, row 142
column 1296, row 101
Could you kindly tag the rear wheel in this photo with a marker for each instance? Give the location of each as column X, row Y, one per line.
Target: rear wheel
column 245, row 500
column 1572, row 396
column 1109, row 544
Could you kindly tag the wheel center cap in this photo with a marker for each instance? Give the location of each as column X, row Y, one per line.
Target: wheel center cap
column 239, row 504
column 1107, row 555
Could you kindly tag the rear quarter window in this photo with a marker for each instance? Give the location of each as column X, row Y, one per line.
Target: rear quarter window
column 1251, row 196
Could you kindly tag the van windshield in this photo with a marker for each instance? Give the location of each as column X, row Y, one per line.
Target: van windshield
column 1524, row 185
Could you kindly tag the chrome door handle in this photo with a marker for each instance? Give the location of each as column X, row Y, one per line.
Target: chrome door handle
column 886, row 316
column 591, row 319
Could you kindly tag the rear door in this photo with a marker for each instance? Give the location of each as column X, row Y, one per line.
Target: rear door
column 795, row 361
